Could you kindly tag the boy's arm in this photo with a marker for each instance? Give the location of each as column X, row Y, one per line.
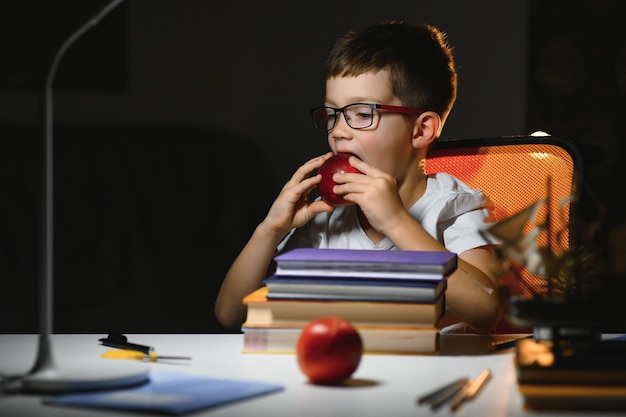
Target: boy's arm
column 245, row 275
column 290, row 209
column 471, row 293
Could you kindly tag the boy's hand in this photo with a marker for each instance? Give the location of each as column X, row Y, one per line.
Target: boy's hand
column 374, row 191
column 292, row 207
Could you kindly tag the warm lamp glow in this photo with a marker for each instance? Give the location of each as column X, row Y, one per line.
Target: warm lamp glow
column 539, row 155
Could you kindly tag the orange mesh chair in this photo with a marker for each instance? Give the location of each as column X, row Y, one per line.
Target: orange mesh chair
column 513, row 172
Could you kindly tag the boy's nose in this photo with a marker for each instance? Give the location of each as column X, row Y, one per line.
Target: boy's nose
column 341, row 129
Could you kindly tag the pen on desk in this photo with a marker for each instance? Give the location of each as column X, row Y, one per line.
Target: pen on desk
column 442, row 392
column 448, row 393
column 505, row 344
column 139, row 355
column 470, row 390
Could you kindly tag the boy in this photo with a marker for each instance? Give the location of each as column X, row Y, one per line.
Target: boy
column 410, row 71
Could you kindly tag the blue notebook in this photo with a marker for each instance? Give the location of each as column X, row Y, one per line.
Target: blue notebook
column 170, row 393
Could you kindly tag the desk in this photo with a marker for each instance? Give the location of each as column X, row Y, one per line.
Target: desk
column 383, row 385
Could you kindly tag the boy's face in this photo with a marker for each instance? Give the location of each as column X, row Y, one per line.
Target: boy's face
column 387, row 144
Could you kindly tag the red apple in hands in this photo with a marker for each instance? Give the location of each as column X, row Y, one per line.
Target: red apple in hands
column 335, row 164
column 329, row 350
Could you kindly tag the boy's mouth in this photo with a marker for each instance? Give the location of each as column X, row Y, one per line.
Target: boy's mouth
column 348, row 153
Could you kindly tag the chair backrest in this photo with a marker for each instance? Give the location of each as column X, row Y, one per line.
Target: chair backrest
column 514, row 172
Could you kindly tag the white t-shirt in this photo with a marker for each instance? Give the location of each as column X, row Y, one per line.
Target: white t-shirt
column 450, row 211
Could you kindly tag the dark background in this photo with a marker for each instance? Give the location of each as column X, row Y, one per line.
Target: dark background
column 177, row 121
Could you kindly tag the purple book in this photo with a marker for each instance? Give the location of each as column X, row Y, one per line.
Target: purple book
column 365, row 263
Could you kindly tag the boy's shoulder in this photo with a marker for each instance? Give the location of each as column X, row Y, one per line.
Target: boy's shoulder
column 442, row 181
column 444, row 189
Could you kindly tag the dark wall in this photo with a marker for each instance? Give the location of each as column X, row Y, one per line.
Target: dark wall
column 157, row 106
column 219, row 68
column 146, row 224
column 226, row 65
column 577, row 89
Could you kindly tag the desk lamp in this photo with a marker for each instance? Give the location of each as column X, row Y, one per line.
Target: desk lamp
column 46, row 375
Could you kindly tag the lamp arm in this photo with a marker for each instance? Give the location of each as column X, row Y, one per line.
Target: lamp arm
column 45, row 357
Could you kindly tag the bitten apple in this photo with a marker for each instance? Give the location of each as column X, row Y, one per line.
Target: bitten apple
column 335, row 164
column 329, row 350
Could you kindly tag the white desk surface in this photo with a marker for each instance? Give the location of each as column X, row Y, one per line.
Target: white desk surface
column 383, row 385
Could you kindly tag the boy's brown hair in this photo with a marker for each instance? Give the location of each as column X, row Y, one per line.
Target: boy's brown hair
column 418, row 58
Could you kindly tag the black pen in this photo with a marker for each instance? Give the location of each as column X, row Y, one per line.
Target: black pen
column 443, row 391
column 505, row 344
column 449, row 393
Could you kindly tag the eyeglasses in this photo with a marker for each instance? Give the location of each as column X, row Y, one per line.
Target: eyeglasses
column 357, row 115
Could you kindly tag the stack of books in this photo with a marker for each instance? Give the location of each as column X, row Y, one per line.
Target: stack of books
column 395, row 299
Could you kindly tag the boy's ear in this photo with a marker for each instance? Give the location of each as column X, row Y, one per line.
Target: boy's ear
column 427, row 128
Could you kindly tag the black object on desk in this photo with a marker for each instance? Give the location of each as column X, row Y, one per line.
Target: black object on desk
column 440, row 395
column 120, row 341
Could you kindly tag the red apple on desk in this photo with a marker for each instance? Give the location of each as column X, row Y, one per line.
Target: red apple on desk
column 335, row 164
column 329, row 350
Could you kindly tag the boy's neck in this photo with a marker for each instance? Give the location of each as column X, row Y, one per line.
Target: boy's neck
column 413, row 188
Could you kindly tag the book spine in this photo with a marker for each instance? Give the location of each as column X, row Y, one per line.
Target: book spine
column 375, row 340
column 330, row 273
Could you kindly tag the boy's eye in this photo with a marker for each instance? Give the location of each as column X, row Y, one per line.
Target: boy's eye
column 360, row 117
column 363, row 115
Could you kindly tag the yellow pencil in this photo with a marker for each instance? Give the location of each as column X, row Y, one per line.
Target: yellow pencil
column 138, row 355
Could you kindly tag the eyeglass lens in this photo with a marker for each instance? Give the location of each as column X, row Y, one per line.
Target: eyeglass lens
column 358, row 116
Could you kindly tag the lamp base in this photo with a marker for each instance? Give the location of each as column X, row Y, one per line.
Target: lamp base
column 86, row 376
